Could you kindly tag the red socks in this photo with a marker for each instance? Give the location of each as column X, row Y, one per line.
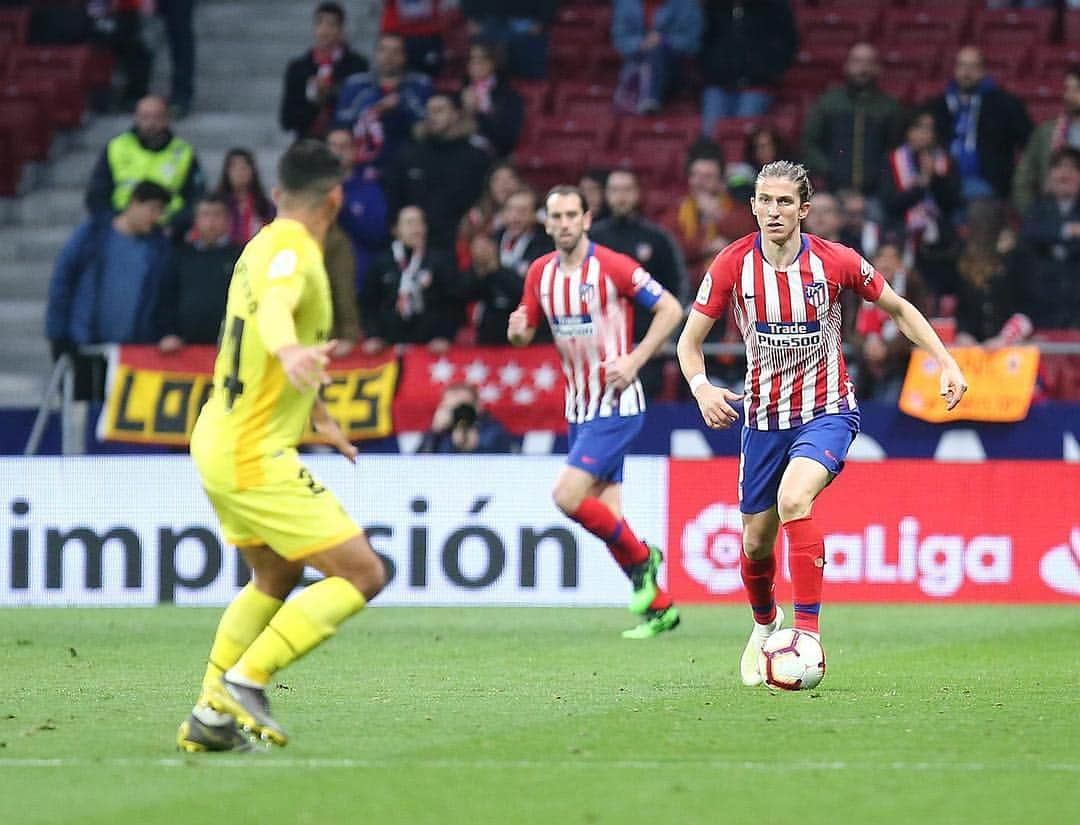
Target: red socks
column 806, row 561
column 757, row 578
column 597, row 518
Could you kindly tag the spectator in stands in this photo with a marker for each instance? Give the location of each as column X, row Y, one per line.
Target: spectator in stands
column 747, row 48
column 410, row 295
column 1051, row 235
column 250, row 209
column 883, row 350
column 826, row 220
column 496, row 289
column 986, row 283
column 462, row 425
column 106, row 283
column 522, row 239
column 118, row 25
column 920, row 195
column 196, row 283
column 148, row 151
column 420, row 24
column 652, row 246
column 493, row 104
column 860, row 231
column 485, row 217
column 442, row 170
column 363, row 213
column 179, row 34
column 517, row 27
column 708, row 218
column 763, row 145
column 341, row 271
column 313, row 81
column 1047, row 138
column 983, row 126
column 381, row 107
column 592, row 185
column 850, row 127
column 653, row 39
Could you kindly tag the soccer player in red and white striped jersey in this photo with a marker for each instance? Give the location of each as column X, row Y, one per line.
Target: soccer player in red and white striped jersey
column 586, row 293
column 783, row 286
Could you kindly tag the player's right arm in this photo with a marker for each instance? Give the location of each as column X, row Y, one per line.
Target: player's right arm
column 710, row 303
column 521, row 326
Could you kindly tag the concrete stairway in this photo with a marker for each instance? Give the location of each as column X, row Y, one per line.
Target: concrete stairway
column 242, row 49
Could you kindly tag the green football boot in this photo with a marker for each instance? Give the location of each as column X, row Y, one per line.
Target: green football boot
column 643, row 580
column 656, row 622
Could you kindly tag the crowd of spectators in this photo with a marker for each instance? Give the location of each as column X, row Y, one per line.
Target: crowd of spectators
column 963, row 203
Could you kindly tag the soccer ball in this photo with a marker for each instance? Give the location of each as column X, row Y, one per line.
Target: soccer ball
column 792, row 660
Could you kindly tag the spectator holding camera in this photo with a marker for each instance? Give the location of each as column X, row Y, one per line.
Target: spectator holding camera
column 461, row 425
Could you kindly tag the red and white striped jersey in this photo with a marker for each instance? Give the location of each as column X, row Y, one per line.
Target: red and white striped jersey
column 790, row 320
column 592, row 321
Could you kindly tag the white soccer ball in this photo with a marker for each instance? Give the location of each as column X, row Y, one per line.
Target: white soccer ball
column 792, row 660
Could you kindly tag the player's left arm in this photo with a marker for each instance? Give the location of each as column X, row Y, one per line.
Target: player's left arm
column 917, row 329
column 667, row 315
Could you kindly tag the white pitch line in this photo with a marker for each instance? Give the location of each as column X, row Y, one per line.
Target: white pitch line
column 290, row 763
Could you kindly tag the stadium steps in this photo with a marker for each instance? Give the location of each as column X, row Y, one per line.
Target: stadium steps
column 241, row 52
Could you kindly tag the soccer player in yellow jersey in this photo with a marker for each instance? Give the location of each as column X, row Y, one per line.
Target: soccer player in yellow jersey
column 270, row 366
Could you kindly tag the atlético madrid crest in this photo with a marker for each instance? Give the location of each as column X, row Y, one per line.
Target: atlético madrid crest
column 815, row 294
column 587, row 291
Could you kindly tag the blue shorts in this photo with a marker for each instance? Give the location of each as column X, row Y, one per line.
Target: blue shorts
column 766, row 453
column 599, row 446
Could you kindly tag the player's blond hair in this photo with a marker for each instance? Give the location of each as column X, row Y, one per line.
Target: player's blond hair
column 788, row 170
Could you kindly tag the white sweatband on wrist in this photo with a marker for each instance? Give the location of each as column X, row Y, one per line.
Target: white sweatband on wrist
column 697, row 381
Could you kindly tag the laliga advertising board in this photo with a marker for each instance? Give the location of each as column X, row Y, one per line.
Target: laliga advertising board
column 896, row 531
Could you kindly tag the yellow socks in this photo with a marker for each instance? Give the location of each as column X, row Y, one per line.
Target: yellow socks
column 241, row 623
column 297, row 627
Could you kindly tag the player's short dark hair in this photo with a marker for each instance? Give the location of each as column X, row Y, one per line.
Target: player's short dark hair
column 567, row 189
column 788, row 170
column 333, row 9
column 309, row 167
column 147, row 190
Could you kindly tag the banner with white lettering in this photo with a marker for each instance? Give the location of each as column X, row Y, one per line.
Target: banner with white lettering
column 896, row 531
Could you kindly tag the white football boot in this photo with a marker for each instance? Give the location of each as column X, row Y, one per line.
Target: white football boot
column 748, row 665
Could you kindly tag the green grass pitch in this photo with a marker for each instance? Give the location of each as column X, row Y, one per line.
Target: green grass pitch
column 488, row 715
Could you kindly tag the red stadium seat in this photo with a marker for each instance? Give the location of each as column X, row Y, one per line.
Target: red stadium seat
column 10, row 167
column 27, row 119
column 595, row 18
column 53, row 85
column 833, row 27
column 581, row 95
column 1001, row 64
column 76, row 60
column 653, row 170
column 1050, row 63
column 917, row 57
column 543, row 171
column 1041, row 110
column 917, row 26
column 660, row 202
column 1008, row 28
column 536, row 95
column 14, row 25
column 662, row 133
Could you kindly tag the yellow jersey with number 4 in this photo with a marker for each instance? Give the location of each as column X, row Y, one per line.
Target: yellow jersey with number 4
column 253, row 411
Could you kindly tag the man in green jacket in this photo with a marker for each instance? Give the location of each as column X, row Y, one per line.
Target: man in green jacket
column 1062, row 131
column 147, row 151
column 851, row 127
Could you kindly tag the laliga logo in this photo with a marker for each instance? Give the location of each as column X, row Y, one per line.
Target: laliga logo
column 711, row 545
column 1060, row 567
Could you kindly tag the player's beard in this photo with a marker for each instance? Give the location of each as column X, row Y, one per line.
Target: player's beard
column 566, row 247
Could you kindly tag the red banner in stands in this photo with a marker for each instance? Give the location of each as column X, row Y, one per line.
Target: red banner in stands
column 523, row 388
column 902, row 531
column 154, row 398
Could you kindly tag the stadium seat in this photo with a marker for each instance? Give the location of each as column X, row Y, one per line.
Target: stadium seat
column 1005, row 29
column 654, row 170
column 594, row 17
column 26, row 118
column 923, row 58
column 1049, row 64
column 76, row 60
column 10, row 167
column 14, row 25
column 918, row 26
column 662, row 133
column 578, row 95
column 1003, row 64
column 54, row 85
column 659, row 202
column 536, row 95
column 829, row 27
column 544, row 171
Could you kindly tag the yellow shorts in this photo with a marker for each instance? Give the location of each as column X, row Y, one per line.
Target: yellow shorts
column 292, row 512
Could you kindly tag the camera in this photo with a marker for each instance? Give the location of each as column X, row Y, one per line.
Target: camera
column 463, row 415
